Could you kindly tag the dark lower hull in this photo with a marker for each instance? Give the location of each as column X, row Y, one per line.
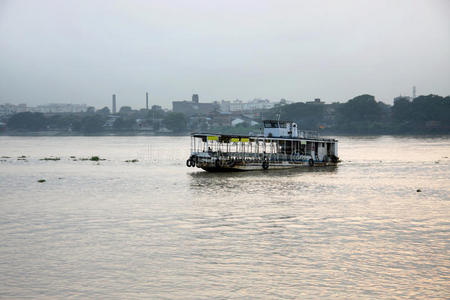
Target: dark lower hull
column 259, row 167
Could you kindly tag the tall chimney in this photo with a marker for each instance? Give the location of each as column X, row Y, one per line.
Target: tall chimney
column 146, row 100
column 114, row 104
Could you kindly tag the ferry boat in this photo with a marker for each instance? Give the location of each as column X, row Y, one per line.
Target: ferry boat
column 281, row 146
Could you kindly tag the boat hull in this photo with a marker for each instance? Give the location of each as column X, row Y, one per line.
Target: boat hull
column 259, row 167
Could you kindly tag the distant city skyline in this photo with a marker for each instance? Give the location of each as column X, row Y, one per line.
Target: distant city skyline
column 82, row 52
column 115, row 105
column 224, row 105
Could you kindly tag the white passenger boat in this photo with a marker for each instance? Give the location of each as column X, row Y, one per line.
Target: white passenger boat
column 281, row 146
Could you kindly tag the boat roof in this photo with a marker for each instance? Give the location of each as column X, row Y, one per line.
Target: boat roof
column 278, row 121
column 255, row 137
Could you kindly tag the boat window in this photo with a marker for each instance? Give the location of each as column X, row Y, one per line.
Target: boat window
column 270, row 124
column 275, row 124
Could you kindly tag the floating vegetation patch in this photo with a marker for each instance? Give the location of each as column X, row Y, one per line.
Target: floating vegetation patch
column 6, row 157
column 23, row 156
column 72, row 157
column 51, row 158
column 131, row 160
column 93, row 158
column 41, row 180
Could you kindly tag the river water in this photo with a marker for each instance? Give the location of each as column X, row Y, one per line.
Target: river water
column 156, row 229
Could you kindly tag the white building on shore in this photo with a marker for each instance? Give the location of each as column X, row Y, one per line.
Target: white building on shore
column 60, row 108
column 10, row 109
column 250, row 106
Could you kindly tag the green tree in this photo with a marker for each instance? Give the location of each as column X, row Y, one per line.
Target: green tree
column 92, row 124
column 104, row 111
column 124, row 124
column 362, row 108
column 425, row 114
column 362, row 115
column 27, row 121
column 308, row 115
column 431, row 108
column 175, row 122
column 155, row 112
column 401, row 110
column 63, row 121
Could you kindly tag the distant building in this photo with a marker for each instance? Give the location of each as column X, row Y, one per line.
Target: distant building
column 236, row 106
column 316, row 101
column 144, row 125
column 218, row 118
column 60, row 108
column 114, row 104
column 237, row 121
column 109, row 124
column 22, row 108
column 225, row 106
column 257, row 104
column 194, row 107
column 10, row 109
column 402, row 98
column 125, row 110
column 250, row 106
column 242, row 120
column 105, row 111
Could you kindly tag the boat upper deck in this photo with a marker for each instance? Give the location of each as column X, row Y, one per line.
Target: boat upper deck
column 226, row 138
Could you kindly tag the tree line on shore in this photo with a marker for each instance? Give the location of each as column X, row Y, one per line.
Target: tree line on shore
column 95, row 122
column 363, row 115
column 360, row 115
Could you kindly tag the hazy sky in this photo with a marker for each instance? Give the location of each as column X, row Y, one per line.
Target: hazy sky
column 84, row 51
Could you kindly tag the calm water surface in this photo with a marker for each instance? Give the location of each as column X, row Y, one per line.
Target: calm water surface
column 157, row 229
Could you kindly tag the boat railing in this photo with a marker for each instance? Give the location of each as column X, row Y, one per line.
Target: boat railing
column 308, row 134
column 255, row 157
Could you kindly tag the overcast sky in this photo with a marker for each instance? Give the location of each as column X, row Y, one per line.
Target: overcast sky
column 84, row 51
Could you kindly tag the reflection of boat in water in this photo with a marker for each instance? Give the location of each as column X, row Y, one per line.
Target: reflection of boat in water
column 282, row 146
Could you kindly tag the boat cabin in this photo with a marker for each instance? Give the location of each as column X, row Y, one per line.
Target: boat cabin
column 273, row 128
